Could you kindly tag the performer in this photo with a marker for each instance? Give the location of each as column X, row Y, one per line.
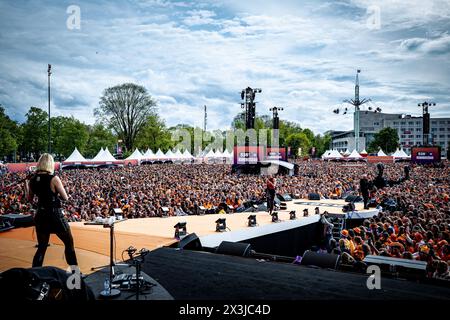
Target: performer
column 364, row 187
column 271, row 185
column 49, row 217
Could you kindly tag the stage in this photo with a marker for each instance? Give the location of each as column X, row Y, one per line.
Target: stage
column 92, row 242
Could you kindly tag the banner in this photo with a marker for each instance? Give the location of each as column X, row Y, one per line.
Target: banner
column 425, row 154
column 247, row 155
column 276, row 154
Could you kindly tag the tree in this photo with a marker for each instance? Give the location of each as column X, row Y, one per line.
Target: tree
column 99, row 137
column 125, row 109
column 386, row 139
column 299, row 140
column 154, row 135
column 9, row 134
column 68, row 133
column 35, row 134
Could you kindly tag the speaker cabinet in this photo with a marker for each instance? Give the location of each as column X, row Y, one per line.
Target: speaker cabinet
column 321, row 260
column 234, row 248
column 189, row 242
column 313, row 196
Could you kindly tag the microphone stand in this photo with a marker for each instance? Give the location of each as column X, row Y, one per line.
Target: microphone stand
column 110, row 293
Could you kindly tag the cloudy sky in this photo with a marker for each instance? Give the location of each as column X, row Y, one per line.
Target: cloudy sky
column 302, row 54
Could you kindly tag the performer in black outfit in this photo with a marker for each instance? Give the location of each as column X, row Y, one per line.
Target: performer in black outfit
column 364, row 187
column 49, row 217
column 271, row 184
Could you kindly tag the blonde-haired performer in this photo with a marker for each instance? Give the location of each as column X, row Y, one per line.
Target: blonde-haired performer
column 49, row 217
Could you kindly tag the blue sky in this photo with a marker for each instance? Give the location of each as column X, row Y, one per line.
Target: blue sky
column 302, row 54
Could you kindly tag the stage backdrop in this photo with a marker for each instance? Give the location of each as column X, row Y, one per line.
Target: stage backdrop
column 248, row 155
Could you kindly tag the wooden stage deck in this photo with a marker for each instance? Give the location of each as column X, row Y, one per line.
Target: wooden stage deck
column 92, row 242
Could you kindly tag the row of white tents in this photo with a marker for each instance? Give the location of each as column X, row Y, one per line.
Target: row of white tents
column 104, row 156
column 399, row 154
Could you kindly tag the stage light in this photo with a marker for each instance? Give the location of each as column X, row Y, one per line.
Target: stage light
column 305, row 212
column 252, row 220
column 180, row 230
column 292, row 215
column 221, row 225
column 275, row 217
column 164, row 211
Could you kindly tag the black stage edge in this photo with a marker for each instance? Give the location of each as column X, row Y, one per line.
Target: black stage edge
column 290, row 243
column 197, row 275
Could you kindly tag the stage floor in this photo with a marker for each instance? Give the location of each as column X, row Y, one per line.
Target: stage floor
column 92, row 242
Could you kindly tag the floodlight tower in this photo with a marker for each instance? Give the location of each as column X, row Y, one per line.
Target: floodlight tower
column 426, row 122
column 276, row 119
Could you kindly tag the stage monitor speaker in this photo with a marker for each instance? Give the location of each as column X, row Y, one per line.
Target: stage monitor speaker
column 17, row 220
column 313, row 196
column 322, row 260
column 402, row 267
column 284, row 197
column 234, row 248
column 189, row 242
column 352, row 198
column 41, row 283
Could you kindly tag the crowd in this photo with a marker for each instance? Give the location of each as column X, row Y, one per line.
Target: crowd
column 414, row 226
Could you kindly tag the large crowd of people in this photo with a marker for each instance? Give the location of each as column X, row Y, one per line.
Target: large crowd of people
column 416, row 224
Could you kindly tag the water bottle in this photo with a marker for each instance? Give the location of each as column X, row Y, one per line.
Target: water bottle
column 106, row 286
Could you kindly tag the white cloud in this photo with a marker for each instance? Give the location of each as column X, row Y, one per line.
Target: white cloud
column 303, row 59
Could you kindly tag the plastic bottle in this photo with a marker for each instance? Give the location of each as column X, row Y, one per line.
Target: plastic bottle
column 106, row 286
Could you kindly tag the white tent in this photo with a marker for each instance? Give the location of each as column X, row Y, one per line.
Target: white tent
column 107, row 156
column 136, row 155
column 159, row 154
column 210, row 154
column 335, row 154
column 169, row 155
column 148, row 154
column 75, row 157
column 227, row 154
column 218, row 154
column 187, row 155
column 326, row 154
column 346, row 153
column 354, row 155
column 381, row 153
column 178, row 155
column 400, row 154
column 363, row 152
column 98, row 156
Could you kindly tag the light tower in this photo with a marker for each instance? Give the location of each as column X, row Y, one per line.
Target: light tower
column 426, row 122
column 276, row 119
column 249, row 104
column 357, row 103
column 205, row 120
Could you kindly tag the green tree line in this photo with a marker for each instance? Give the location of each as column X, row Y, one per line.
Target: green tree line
column 126, row 116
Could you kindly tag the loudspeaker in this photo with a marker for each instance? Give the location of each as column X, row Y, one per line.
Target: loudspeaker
column 41, row 283
column 322, row 260
column 234, row 248
column 284, row 197
column 352, row 198
column 17, row 220
column 313, row 196
column 190, row 242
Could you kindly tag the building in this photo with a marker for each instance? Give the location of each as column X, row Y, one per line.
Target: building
column 409, row 129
